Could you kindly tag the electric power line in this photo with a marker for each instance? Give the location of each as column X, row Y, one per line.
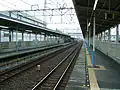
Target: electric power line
column 9, row 3
column 13, row 4
column 25, row 2
column 6, row 6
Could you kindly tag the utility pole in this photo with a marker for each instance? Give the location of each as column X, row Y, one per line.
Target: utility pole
column 93, row 53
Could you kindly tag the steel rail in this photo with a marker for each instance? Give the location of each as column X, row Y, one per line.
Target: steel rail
column 39, row 83
column 65, row 71
column 17, row 72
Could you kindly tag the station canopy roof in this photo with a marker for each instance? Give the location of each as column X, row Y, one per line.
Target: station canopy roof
column 107, row 14
column 16, row 24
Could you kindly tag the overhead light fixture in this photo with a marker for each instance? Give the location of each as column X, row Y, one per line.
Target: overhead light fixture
column 95, row 4
column 4, row 27
column 89, row 24
column 28, row 30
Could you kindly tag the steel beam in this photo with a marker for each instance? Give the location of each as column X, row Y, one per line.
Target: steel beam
column 9, row 35
column 109, row 35
column 117, row 34
column 0, row 36
column 114, row 22
column 91, row 8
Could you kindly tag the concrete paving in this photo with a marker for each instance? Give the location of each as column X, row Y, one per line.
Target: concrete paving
column 77, row 79
column 108, row 75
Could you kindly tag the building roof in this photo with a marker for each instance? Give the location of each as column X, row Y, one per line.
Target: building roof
column 13, row 23
column 109, row 8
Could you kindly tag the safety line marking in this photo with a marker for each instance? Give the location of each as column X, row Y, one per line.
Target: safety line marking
column 92, row 77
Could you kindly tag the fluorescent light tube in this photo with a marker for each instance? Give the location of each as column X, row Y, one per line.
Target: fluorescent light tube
column 89, row 24
column 4, row 27
column 28, row 30
column 95, row 4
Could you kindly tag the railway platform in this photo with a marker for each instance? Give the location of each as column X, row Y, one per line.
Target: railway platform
column 107, row 73
column 104, row 76
column 28, row 50
column 77, row 79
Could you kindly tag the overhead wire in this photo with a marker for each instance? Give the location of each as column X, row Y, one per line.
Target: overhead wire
column 13, row 4
column 9, row 2
column 60, row 6
column 25, row 2
column 6, row 6
column 55, row 5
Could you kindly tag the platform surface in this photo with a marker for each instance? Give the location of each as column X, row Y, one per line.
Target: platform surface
column 108, row 73
column 77, row 79
column 13, row 53
column 105, row 77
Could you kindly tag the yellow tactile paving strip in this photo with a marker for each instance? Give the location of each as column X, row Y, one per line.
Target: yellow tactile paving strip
column 92, row 76
column 100, row 67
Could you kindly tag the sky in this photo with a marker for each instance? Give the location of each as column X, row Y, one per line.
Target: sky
column 62, row 20
column 70, row 25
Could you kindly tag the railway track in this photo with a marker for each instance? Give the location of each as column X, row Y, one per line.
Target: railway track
column 8, row 74
column 5, row 65
column 52, row 80
column 48, row 62
column 22, row 60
